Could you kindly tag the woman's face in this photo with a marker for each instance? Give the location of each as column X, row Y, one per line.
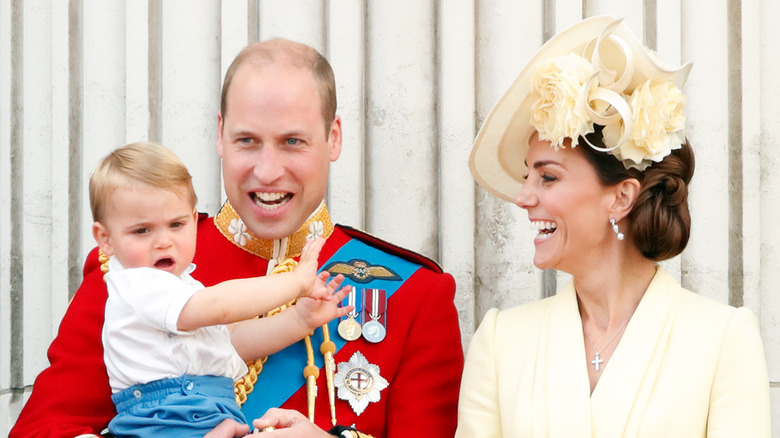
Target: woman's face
column 568, row 206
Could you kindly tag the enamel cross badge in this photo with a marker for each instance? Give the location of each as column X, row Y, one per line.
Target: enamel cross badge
column 359, row 382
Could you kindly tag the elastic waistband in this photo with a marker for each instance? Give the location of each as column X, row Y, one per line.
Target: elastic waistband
column 213, row 386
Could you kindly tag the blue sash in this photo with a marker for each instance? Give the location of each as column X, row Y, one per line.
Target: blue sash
column 282, row 374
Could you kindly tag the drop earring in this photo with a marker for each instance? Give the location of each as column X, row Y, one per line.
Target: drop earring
column 616, row 229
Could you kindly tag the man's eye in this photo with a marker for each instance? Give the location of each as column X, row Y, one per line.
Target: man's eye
column 292, row 141
column 244, row 140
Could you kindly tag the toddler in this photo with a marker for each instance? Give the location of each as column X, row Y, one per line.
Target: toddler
column 172, row 347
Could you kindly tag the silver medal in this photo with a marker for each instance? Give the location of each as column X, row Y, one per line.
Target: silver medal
column 374, row 331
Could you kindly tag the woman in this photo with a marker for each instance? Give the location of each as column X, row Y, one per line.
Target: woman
column 589, row 140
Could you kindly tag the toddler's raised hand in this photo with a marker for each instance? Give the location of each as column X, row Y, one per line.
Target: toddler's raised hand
column 314, row 313
column 312, row 284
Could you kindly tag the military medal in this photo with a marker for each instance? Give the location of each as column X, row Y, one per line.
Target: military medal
column 359, row 382
column 349, row 328
column 373, row 330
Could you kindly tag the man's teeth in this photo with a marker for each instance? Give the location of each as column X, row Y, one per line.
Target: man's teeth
column 544, row 229
column 268, row 197
column 271, row 201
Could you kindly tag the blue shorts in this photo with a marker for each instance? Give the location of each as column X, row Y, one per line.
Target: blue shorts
column 187, row 406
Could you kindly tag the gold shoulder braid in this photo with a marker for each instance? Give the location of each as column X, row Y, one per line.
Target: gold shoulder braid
column 246, row 384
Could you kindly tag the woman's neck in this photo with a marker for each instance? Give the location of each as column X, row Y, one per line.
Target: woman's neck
column 608, row 297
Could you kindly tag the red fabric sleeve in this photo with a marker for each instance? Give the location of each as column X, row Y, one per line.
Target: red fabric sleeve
column 72, row 396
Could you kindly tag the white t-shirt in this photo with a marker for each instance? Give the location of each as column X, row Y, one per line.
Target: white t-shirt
column 141, row 342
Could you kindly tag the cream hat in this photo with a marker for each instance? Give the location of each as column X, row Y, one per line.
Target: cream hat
column 596, row 71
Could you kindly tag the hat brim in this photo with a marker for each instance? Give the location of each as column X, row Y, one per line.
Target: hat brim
column 497, row 159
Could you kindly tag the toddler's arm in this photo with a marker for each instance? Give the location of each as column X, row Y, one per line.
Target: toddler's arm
column 236, row 300
column 264, row 336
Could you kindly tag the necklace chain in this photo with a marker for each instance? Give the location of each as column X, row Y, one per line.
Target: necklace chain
column 597, row 361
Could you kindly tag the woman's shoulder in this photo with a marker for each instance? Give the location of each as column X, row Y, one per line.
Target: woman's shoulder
column 708, row 311
column 521, row 317
column 703, row 314
column 712, row 317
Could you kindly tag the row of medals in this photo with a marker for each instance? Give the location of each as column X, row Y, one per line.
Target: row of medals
column 373, row 330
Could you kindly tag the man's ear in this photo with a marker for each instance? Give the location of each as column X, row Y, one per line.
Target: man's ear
column 626, row 194
column 220, row 124
column 103, row 238
column 334, row 139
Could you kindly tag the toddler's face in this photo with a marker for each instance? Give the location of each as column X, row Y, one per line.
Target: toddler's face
column 145, row 226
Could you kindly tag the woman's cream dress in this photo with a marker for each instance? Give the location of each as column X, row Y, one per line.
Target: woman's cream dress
column 685, row 367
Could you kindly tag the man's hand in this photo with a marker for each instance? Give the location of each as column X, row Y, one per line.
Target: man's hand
column 288, row 423
column 228, row 429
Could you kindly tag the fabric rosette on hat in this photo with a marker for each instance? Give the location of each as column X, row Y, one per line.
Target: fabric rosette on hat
column 593, row 73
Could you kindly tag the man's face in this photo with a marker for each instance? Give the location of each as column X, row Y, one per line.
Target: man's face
column 274, row 148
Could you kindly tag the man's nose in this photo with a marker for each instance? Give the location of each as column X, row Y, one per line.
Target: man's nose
column 269, row 166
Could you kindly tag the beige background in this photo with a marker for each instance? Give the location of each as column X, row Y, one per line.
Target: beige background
column 415, row 78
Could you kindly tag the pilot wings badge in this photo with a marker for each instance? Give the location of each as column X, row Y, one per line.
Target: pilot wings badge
column 359, row 382
column 361, row 271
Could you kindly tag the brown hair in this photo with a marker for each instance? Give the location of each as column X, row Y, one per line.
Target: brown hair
column 137, row 163
column 659, row 224
column 292, row 54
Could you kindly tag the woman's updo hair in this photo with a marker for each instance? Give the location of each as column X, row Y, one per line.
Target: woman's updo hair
column 659, row 224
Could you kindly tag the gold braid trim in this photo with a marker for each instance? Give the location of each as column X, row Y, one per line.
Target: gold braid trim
column 246, row 384
column 328, row 349
column 311, row 373
column 239, row 233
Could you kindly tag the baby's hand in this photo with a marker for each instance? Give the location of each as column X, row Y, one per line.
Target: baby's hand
column 316, row 312
column 312, row 284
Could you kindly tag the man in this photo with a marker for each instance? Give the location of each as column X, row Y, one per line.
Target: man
column 277, row 134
